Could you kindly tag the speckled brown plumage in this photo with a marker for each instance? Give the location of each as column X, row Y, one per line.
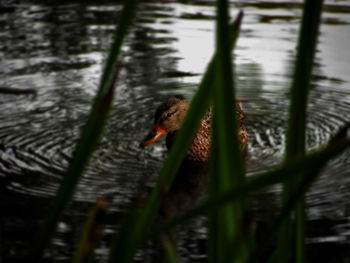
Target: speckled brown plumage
column 168, row 119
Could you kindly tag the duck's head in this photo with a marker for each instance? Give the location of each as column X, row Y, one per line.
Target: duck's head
column 168, row 117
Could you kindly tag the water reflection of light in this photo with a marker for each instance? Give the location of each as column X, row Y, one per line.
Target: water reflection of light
column 335, row 52
column 268, row 45
column 195, row 46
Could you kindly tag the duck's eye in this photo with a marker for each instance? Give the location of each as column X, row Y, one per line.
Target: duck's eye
column 169, row 114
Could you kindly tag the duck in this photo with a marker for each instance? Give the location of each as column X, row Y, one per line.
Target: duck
column 191, row 181
column 168, row 119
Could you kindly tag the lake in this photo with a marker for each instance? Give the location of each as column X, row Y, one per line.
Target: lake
column 58, row 49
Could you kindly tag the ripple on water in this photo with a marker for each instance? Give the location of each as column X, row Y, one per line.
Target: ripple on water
column 37, row 142
column 36, row 147
column 38, row 134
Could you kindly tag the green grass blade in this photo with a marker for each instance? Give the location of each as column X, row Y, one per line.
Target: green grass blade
column 301, row 78
column 226, row 159
column 230, row 157
column 297, row 122
column 126, row 19
column 304, row 185
column 90, row 135
column 198, row 107
column 290, row 205
column 170, row 254
column 91, row 233
column 141, row 222
column 120, row 249
column 284, row 173
column 84, row 149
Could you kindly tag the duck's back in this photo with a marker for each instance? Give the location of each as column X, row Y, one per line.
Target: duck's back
column 200, row 147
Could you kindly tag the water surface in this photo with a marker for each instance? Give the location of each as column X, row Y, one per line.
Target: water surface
column 58, row 50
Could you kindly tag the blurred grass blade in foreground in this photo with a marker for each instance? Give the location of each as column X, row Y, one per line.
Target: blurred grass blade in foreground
column 340, row 139
column 90, row 134
column 296, row 133
column 124, row 247
column 91, row 233
column 169, row 247
column 311, row 162
column 226, row 166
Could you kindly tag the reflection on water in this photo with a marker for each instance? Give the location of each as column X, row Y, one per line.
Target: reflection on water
column 58, row 51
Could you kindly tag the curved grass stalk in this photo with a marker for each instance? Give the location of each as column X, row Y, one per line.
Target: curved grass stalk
column 91, row 233
column 226, row 166
column 296, row 133
column 285, row 173
column 89, row 137
column 125, row 245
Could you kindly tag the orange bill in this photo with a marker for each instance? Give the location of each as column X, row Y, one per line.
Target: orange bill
column 153, row 136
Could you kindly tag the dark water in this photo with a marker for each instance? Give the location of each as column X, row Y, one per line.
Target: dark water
column 58, row 50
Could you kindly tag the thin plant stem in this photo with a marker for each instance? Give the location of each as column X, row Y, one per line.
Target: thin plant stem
column 90, row 135
column 297, row 126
